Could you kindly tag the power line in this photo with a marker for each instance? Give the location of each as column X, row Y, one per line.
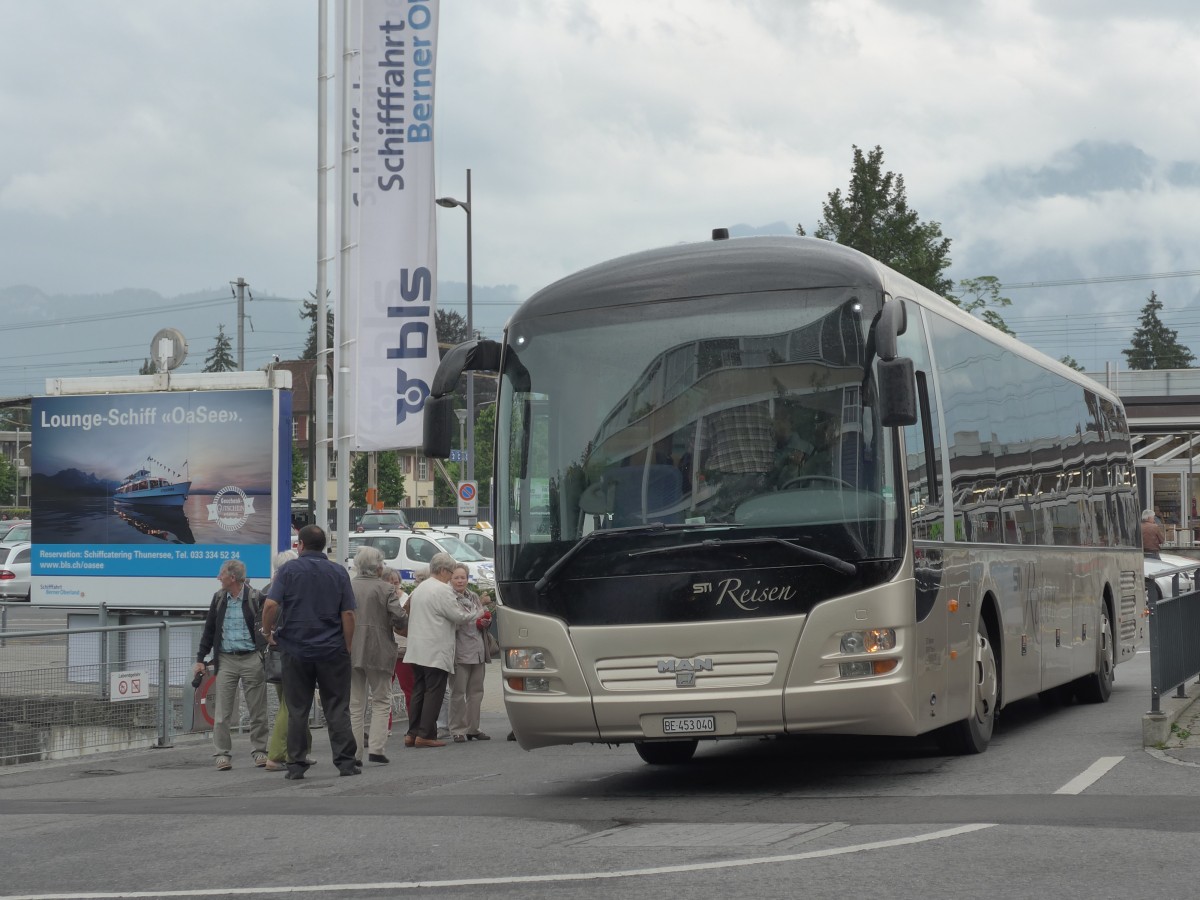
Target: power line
column 123, row 314
column 1099, row 279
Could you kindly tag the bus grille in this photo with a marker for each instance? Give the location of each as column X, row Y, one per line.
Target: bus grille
column 729, row 670
column 1129, row 607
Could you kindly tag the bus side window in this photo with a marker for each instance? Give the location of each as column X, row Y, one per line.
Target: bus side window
column 922, row 441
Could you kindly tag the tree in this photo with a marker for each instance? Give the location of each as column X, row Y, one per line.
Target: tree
column 983, row 293
column 1154, row 345
column 451, row 329
column 8, row 482
column 220, row 359
column 446, row 494
column 874, row 217
column 1071, row 362
column 148, row 368
column 485, row 428
column 299, row 471
column 308, row 310
column 389, row 479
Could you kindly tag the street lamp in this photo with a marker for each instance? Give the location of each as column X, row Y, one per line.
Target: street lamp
column 450, row 203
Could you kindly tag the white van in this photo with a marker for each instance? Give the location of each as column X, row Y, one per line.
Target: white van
column 410, row 551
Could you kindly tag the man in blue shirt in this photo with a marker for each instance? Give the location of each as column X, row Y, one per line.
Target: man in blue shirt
column 309, row 615
column 232, row 633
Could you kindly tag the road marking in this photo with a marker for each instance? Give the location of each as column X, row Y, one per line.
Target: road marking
column 519, row 879
column 1090, row 775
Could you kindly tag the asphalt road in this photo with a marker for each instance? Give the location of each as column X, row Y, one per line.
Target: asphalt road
column 1065, row 801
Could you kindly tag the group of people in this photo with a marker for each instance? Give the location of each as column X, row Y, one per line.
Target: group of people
column 346, row 637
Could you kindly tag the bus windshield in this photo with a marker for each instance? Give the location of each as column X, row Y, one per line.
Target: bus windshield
column 714, row 425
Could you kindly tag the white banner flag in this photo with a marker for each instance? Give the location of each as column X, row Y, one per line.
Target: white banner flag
column 392, row 354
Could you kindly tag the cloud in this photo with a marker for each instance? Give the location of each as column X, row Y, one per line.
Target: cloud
column 173, row 146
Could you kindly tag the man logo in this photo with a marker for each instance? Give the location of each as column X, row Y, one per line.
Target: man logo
column 685, row 669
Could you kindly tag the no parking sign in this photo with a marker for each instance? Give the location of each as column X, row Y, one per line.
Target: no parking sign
column 468, row 495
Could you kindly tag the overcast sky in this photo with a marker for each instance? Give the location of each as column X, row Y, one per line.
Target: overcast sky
column 172, row 146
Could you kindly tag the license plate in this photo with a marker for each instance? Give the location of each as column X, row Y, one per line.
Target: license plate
column 689, row 724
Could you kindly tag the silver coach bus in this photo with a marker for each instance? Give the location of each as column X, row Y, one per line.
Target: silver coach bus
column 770, row 486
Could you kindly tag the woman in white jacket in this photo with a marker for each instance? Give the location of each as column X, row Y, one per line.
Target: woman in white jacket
column 433, row 615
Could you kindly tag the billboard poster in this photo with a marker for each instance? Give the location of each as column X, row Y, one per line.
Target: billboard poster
column 155, row 486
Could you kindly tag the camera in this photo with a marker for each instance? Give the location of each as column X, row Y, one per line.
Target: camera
column 197, row 678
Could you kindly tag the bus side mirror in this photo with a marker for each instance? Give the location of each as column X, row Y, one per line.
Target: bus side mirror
column 469, row 356
column 893, row 322
column 897, row 388
column 438, row 426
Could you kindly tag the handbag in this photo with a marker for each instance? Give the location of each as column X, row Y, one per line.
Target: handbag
column 493, row 645
column 273, row 666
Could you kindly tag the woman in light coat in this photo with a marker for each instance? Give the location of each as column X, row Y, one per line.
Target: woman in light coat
column 433, row 616
column 470, row 655
column 373, row 651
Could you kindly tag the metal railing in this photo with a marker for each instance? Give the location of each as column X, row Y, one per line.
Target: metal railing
column 1174, row 638
column 65, row 692
column 86, row 688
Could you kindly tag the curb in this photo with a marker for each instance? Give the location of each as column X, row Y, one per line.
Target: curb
column 1156, row 727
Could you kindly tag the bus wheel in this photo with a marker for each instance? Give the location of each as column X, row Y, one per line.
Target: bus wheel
column 665, row 753
column 1097, row 687
column 972, row 734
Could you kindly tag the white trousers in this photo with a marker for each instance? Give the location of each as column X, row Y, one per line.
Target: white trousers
column 466, row 696
column 370, row 689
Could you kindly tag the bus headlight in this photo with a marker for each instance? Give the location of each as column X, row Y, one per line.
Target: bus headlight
column 525, row 658
column 874, row 640
column 529, row 658
column 870, row 640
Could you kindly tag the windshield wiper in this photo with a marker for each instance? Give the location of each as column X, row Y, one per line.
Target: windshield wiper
column 653, row 528
column 840, row 566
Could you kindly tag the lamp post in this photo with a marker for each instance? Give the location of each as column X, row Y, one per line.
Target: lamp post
column 465, row 205
column 462, row 418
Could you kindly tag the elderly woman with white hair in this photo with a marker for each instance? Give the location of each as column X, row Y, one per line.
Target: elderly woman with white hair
column 373, row 651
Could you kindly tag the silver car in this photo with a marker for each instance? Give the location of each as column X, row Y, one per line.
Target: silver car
column 14, row 570
column 1160, row 575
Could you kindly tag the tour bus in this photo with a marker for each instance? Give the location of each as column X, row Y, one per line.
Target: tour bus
column 793, row 492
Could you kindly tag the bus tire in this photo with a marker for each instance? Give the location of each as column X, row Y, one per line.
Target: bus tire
column 972, row 734
column 1097, row 687
column 665, row 753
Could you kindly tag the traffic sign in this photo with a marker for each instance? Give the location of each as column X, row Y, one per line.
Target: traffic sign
column 458, row 456
column 134, row 685
column 468, row 498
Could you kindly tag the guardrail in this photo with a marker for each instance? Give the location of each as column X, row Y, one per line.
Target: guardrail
column 65, row 692
column 1174, row 638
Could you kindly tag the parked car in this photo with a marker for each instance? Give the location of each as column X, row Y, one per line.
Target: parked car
column 14, row 531
column 481, row 540
column 381, row 520
column 14, row 570
column 1160, row 585
column 412, row 550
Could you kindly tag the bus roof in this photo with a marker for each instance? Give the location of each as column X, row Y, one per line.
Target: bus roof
column 739, row 265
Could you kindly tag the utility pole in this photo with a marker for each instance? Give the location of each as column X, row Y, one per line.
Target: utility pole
column 241, row 284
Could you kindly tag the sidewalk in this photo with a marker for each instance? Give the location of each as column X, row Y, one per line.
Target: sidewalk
column 1183, row 742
